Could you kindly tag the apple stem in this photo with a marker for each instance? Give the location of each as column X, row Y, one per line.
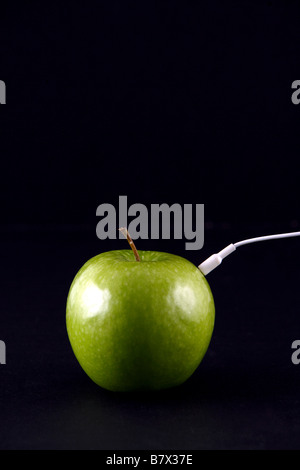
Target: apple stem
column 125, row 232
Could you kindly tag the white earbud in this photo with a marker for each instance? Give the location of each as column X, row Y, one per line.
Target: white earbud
column 215, row 260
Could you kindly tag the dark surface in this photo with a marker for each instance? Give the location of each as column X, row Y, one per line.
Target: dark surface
column 162, row 103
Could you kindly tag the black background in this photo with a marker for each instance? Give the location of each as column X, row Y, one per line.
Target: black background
column 162, row 102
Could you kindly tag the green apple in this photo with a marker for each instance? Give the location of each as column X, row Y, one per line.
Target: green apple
column 139, row 325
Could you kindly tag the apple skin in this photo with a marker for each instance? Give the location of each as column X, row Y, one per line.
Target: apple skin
column 139, row 325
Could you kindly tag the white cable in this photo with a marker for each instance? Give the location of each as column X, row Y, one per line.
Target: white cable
column 215, row 260
column 268, row 237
